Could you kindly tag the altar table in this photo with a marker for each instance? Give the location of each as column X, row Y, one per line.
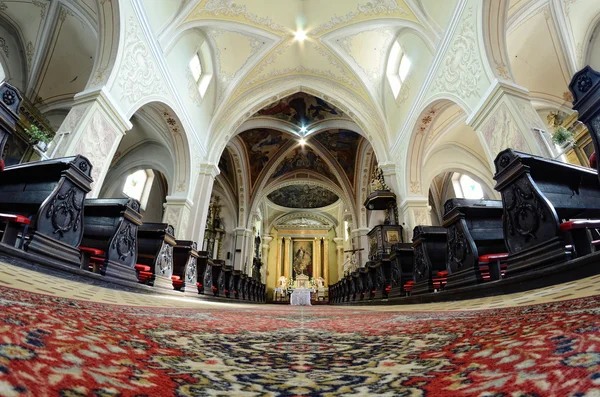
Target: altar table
column 301, row 297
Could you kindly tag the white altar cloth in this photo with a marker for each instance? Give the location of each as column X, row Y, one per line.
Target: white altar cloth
column 301, row 297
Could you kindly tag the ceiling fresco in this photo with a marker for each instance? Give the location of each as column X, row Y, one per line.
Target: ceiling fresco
column 343, row 145
column 303, row 196
column 226, row 167
column 301, row 109
column 303, row 158
column 262, row 145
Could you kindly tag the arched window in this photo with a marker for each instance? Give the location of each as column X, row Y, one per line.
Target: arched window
column 201, row 68
column 467, row 187
column 138, row 186
column 398, row 68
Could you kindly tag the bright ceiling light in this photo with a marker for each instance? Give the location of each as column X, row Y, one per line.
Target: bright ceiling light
column 302, row 141
column 303, row 129
column 300, row 35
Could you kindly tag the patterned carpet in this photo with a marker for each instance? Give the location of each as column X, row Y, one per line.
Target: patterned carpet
column 52, row 346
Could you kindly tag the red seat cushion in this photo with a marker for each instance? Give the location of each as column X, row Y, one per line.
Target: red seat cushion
column 145, row 274
column 442, row 273
column 593, row 160
column 595, row 243
column 175, row 278
column 15, row 219
column 97, row 259
column 579, row 224
column 1, row 165
column 493, row 257
column 142, row 268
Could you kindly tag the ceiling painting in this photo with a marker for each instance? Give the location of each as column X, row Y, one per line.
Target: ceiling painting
column 262, row 145
column 343, row 145
column 226, row 167
column 302, row 158
column 303, row 196
column 301, row 109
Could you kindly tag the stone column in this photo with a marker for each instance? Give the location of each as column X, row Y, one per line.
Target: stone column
column 361, row 240
column 238, row 258
column 507, row 119
column 266, row 240
column 326, row 260
column 316, row 257
column 278, row 262
column 177, row 212
column 286, row 257
column 202, row 194
column 415, row 211
column 94, row 128
column 339, row 241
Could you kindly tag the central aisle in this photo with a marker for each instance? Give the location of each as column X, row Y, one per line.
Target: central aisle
column 58, row 346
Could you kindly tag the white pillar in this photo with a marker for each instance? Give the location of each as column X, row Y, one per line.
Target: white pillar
column 93, row 128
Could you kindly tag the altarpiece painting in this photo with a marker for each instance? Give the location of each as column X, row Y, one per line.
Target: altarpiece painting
column 302, row 258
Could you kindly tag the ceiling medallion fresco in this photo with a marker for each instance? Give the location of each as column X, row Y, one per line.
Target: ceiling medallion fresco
column 261, row 146
column 303, row 196
column 301, row 109
column 343, row 145
column 303, row 158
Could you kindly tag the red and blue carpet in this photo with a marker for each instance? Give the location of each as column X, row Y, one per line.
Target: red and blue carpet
column 58, row 347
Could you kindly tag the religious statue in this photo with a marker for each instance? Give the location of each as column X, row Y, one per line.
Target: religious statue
column 257, row 245
column 301, row 260
column 283, row 282
column 256, row 265
column 320, row 282
column 378, row 182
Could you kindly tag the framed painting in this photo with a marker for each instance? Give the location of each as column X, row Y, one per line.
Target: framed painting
column 302, row 254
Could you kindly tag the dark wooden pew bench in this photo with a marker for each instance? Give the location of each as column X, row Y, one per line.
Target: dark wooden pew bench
column 474, row 233
column 401, row 269
column 185, row 266
column 429, row 245
column 155, row 251
column 211, row 277
column 539, row 195
column 109, row 242
column 50, row 194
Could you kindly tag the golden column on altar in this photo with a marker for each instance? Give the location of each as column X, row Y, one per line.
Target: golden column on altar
column 278, row 261
column 286, row 257
column 326, row 260
column 316, row 258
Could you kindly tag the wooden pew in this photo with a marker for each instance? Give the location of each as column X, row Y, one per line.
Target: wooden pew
column 51, row 194
column 201, row 264
column 111, row 225
column 223, row 280
column 474, row 229
column 429, row 244
column 9, row 115
column 185, row 265
column 213, row 286
column 585, row 87
column 155, row 253
column 401, row 269
column 538, row 195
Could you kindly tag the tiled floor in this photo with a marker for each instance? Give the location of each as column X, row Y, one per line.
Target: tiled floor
column 16, row 277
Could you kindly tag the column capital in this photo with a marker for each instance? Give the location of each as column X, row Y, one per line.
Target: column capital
column 179, row 200
column 209, row 169
column 414, row 202
column 102, row 97
column 338, row 239
column 267, row 239
column 361, row 231
column 492, row 97
column 388, row 168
